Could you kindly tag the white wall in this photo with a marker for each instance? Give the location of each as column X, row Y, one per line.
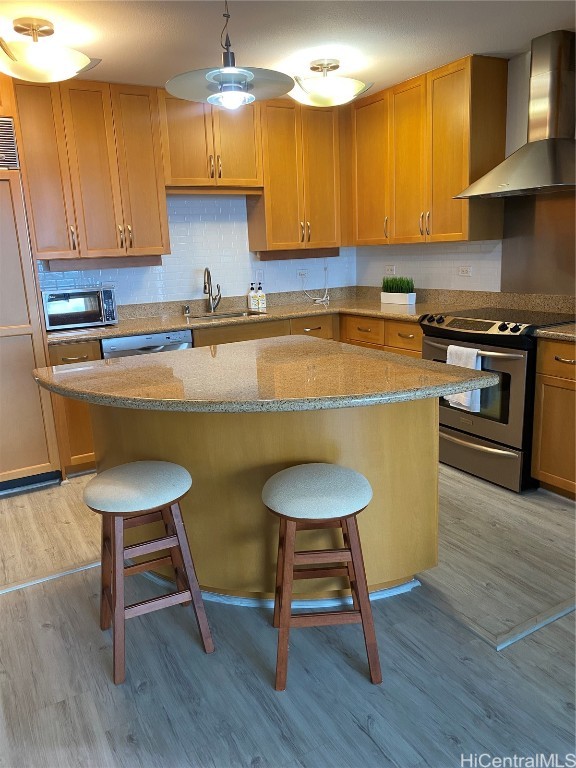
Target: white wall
column 208, row 231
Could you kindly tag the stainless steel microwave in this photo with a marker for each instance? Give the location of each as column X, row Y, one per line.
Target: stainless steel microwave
column 79, row 308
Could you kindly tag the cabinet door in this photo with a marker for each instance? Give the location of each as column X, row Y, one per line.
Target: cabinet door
column 371, row 223
column 321, row 177
column 320, row 326
column 283, row 183
column 27, row 444
column 7, row 105
column 448, row 152
column 45, row 171
column 187, row 142
column 238, row 146
column 408, row 161
column 135, row 110
column 91, row 147
column 554, row 455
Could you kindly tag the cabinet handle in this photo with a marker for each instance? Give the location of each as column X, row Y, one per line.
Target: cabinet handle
column 302, row 235
column 73, row 236
column 316, row 328
column 564, row 360
column 219, row 159
column 386, row 226
column 75, row 359
column 421, row 225
column 211, row 161
column 406, row 335
column 427, row 222
column 121, row 230
column 364, row 330
column 130, row 238
column 309, row 230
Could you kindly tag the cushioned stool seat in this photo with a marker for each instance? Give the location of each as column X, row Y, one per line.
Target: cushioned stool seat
column 128, row 496
column 310, row 496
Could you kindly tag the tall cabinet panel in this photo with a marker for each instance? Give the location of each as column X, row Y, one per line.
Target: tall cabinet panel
column 407, row 170
column 28, row 444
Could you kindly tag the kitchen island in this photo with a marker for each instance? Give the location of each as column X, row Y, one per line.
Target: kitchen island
column 237, row 413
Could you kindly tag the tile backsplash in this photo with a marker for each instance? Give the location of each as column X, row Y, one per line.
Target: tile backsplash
column 208, row 231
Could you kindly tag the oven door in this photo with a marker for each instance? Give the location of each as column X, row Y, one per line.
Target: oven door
column 502, row 407
column 72, row 309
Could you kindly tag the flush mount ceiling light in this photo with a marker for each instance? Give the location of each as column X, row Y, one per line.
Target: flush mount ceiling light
column 40, row 61
column 229, row 86
column 327, row 90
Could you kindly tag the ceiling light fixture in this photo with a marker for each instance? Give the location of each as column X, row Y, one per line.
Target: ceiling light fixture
column 40, row 62
column 327, row 90
column 229, row 86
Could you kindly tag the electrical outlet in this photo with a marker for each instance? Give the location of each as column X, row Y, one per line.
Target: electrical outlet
column 390, row 269
column 465, row 271
column 303, row 274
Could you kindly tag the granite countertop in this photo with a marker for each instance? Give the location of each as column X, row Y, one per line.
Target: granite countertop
column 289, row 373
column 166, row 323
column 565, row 332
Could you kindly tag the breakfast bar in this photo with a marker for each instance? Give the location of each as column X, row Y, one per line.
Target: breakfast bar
column 235, row 414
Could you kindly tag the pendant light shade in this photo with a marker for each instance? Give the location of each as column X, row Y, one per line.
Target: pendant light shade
column 327, row 90
column 39, row 61
column 229, row 86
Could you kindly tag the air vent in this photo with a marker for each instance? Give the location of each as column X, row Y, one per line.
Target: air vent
column 8, row 152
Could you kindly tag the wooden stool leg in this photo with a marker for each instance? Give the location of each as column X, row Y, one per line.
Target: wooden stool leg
column 364, row 600
column 279, row 567
column 350, row 566
column 106, row 573
column 175, row 554
column 197, row 601
column 285, row 605
column 119, row 620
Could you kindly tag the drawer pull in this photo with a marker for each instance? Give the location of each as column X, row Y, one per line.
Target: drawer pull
column 121, row 231
column 130, row 236
column 73, row 236
column 302, row 233
column 406, row 335
column 427, row 222
column 316, row 328
column 211, row 171
column 386, row 227
column 421, row 223
column 309, row 231
column 79, row 359
column 564, row 360
column 219, row 166
column 364, row 330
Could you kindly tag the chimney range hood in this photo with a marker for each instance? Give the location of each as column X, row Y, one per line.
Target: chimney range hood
column 546, row 162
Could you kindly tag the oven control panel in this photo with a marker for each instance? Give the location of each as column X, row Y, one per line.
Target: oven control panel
column 473, row 325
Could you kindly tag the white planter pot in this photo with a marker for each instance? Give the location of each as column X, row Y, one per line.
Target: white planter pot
column 397, row 298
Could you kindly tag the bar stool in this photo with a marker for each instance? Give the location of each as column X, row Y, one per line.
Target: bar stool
column 127, row 496
column 312, row 496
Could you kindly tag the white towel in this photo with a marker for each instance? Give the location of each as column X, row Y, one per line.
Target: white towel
column 465, row 357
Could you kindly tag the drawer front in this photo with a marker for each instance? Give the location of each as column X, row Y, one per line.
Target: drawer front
column 557, row 358
column 313, row 325
column 204, row 337
column 74, row 352
column 358, row 328
column 403, row 335
column 405, row 352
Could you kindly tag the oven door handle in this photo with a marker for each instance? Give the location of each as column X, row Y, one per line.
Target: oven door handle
column 481, row 448
column 498, row 355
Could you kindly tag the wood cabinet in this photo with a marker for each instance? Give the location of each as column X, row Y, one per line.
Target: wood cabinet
column 554, row 455
column 28, row 440
column 92, row 167
column 205, row 146
column 299, row 208
column 320, row 326
column 73, row 416
column 204, row 337
column 7, row 104
column 400, row 336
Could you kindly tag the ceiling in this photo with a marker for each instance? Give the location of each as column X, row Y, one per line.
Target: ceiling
column 381, row 42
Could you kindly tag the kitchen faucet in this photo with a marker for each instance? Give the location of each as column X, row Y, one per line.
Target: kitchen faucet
column 213, row 301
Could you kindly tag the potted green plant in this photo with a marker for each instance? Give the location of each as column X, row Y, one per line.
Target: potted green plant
column 398, row 290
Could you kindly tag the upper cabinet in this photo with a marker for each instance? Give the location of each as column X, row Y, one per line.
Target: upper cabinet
column 427, row 140
column 92, row 161
column 7, row 106
column 299, row 208
column 205, row 146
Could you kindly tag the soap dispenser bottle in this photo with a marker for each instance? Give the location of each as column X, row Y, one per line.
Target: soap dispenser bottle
column 261, row 298
column 252, row 298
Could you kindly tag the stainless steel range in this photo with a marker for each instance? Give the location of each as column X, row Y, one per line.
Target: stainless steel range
column 494, row 442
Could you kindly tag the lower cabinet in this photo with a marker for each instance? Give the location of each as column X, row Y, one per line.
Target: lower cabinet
column 554, row 455
column 321, row 326
column 400, row 336
column 73, row 424
column 207, row 337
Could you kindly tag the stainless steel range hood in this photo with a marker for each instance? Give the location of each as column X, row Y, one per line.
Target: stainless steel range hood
column 546, row 162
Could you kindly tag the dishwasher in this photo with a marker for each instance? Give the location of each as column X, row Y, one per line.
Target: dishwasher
column 124, row 346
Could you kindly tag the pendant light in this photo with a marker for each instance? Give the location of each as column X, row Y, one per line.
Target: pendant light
column 229, row 86
column 327, row 90
column 40, row 61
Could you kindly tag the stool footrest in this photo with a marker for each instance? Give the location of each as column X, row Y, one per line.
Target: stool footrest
column 156, row 603
column 318, row 556
column 154, row 545
column 147, row 565
column 321, row 573
column 325, row 619
column 136, row 520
